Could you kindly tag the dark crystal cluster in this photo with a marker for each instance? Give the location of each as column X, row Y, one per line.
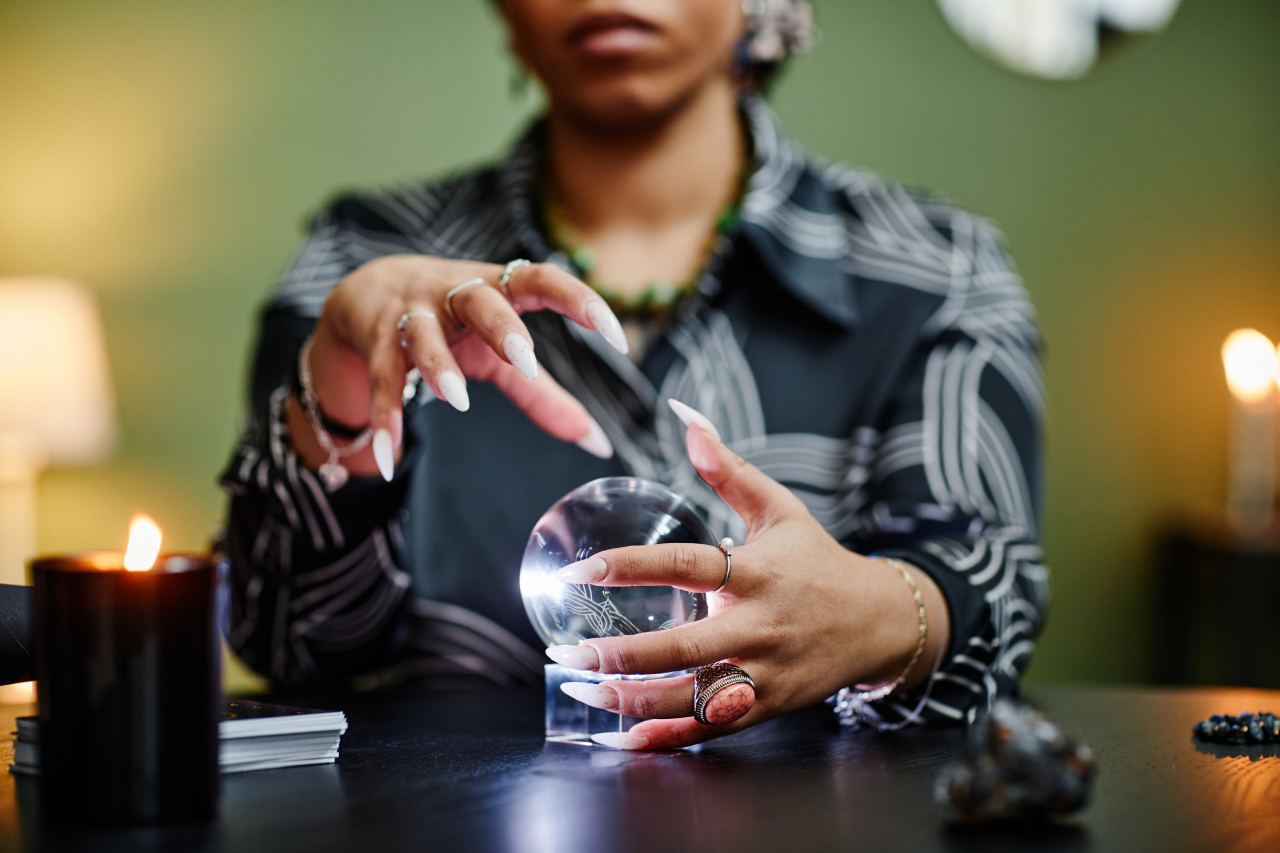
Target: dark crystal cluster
column 1018, row 764
column 1242, row 729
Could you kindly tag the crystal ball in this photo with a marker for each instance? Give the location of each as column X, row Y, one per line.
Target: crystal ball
column 603, row 514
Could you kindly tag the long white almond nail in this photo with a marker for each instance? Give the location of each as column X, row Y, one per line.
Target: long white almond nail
column 596, row 442
column 604, row 321
column 604, row 698
column 454, row 389
column 575, row 657
column 589, row 570
column 691, row 416
column 520, row 353
column 383, row 454
column 621, row 740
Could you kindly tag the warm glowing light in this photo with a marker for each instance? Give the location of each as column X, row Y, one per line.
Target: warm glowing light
column 22, row 693
column 144, row 544
column 1250, row 362
column 60, row 405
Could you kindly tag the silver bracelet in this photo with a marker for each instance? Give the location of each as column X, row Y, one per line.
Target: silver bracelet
column 332, row 472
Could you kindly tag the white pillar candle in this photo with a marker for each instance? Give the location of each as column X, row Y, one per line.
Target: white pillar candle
column 1249, row 360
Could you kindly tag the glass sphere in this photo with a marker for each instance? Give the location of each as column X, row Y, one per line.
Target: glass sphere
column 603, row 514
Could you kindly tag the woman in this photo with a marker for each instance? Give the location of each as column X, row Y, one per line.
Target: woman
column 854, row 367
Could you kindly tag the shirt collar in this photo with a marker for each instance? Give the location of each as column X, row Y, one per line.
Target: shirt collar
column 790, row 215
column 794, row 220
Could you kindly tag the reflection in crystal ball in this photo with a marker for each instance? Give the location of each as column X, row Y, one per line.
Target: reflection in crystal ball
column 600, row 515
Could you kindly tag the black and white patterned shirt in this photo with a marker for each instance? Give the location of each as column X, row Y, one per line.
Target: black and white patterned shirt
column 868, row 346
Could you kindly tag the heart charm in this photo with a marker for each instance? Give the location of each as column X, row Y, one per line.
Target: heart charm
column 333, row 475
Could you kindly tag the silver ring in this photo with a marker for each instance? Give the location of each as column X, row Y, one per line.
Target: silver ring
column 454, row 291
column 412, row 315
column 711, row 679
column 726, row 547
column 504, row 281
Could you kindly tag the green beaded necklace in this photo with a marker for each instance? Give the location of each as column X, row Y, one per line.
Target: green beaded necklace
column 657, row 298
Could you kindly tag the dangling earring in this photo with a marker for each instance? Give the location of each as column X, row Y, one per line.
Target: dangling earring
column 746, row 66
column 775, row 30
column 763, row 39
column 753, row 11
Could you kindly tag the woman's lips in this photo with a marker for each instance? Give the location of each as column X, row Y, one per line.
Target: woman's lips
column 613, row 35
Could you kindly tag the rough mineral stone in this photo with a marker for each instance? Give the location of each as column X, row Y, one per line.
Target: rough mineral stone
column 1018, row 764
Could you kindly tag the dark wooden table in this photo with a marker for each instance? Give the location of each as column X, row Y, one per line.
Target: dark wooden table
column 469, row 771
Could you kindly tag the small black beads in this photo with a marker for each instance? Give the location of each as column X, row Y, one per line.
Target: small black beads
column 1242, row 729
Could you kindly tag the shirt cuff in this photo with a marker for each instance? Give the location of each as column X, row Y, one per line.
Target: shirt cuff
column 966, row 604
column 266, row 462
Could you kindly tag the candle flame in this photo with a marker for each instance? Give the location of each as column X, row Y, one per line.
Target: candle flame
column 1250, row 361
column 144, row 544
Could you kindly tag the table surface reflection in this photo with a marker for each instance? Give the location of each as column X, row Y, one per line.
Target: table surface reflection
column 469, row 771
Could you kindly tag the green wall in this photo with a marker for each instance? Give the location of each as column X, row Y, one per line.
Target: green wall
column 165, row 153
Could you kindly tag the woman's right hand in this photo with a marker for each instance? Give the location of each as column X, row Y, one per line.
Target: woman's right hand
column 359, row 355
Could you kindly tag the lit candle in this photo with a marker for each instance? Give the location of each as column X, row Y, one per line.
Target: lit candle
column 127, row 662
column 144, row 544
column 1250, row 362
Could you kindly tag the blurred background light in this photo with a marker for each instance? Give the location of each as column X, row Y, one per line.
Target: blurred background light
column 55, row 388
column 1057, row 39
column 1249, row 360
column 56, row 400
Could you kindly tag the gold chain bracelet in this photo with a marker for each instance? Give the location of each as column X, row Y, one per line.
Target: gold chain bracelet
column 879, row 691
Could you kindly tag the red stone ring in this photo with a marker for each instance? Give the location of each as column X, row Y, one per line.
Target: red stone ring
column 739, row 693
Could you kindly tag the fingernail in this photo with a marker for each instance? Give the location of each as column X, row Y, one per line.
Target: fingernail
column 596, row 442
column 604, row 698
column 702, row 450
column 621, row 740
column 575, row 657
column 690, row 416
column 454, row 389
column 520, row 353
column 589, row 570
column 604, row 321
column 383, row 454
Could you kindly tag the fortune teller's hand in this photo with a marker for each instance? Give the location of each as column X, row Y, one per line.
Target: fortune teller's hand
column 450, row 319
column 800, row 614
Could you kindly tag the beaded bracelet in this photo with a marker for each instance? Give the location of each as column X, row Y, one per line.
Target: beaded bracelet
column 879, row 691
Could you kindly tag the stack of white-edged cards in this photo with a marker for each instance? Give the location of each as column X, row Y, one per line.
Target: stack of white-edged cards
column 252, row 736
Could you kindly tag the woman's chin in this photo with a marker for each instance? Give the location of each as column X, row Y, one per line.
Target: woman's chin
column 624, row 104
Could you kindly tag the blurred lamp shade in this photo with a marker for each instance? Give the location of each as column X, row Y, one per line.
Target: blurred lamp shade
column 56, row 403
column 55, row 391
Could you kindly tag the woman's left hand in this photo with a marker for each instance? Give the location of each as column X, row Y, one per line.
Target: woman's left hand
column 803, row 615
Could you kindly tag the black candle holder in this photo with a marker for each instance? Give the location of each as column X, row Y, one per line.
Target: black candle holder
column 129, row 685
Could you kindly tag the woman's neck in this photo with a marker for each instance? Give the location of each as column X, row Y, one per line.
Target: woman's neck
column 681, row 168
